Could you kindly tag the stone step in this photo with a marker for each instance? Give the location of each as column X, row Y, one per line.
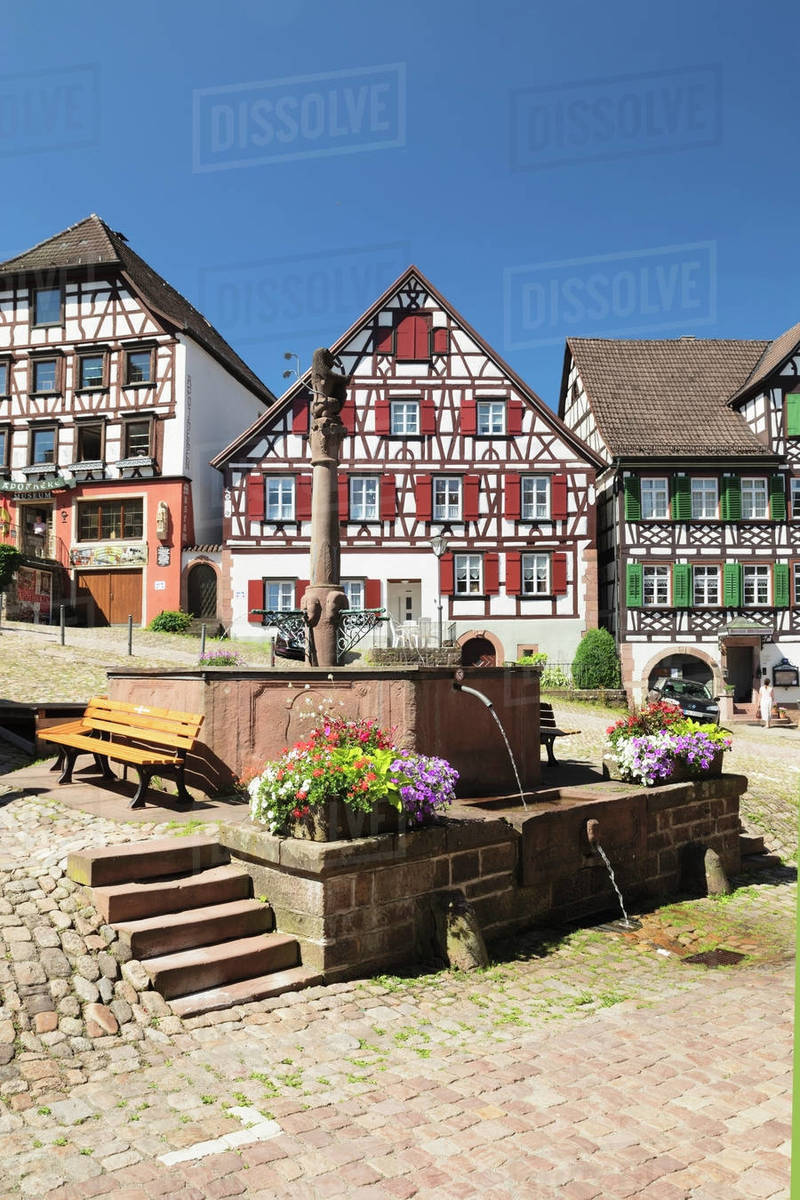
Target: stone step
column 145, row 860
column 154, row 897
column 751, row 843
column 195, row 927
column 244, row 991
column 761, row 862
column 207, row 967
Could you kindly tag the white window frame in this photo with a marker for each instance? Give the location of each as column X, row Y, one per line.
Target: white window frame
column 281, row 507
column 490, row 417
column 703, row 595
column 468, row 573
column 794, row 497
column 796, row 577
column 536, row 575
column 654, row 488
column 450, row 507
column 656, row 580
column 404, row 417
column 354, row 589
column 535, row 498
column 285, row 594
column 753, row 488
column 364, row 498
column 753, row 575
column 703, row 489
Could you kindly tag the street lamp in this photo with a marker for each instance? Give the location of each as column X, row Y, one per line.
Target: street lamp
column 439, row 546
column 292, row 370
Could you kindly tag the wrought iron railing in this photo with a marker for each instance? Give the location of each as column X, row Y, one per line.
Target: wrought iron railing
column 47, row 545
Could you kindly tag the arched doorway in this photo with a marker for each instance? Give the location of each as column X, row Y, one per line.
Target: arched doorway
column 478, row 651
column 688, row 666
column 202, row 591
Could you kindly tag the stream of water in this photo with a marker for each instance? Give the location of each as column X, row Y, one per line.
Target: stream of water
column 626, row 921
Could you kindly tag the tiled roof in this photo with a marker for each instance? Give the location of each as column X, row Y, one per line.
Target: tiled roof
column 92, row 243
column 773, row 357
column 665, row 398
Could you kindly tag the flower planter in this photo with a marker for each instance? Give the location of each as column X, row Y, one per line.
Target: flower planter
column 683, row 771
column 337, row 822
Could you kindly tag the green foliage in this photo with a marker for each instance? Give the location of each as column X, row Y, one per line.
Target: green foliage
column 170, row 621
column 10, row 559
column 596, row 663
column 556, row 677
column 539, row 659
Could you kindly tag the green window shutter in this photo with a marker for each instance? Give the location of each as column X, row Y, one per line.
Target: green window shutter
column 793, row 414
column 777, row 498
column 732, row 585
column 633, row 498
column 681, row 585
column 681, row 498
column 780, row 582
column 731, row 498
column 633, row 585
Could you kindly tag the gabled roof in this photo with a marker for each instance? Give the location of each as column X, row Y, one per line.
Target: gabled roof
column 412, row 272
column 667, row 398
column 773, row 358
column 93, row 243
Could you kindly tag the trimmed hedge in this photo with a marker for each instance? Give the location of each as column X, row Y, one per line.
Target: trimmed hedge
column 596, row 662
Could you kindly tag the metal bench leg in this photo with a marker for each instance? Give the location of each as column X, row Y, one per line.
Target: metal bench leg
column 145, row 774
column 102, row 765
column 552, row 761
column 184, row 799
column 58, row 765
column 69, row 762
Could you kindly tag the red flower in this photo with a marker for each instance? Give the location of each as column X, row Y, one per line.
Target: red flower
column 296, row 813
column 318, row 771
column 300, row 795
column 306, row 810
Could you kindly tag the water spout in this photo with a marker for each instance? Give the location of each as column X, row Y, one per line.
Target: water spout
column 593, row 837
column 462, row 687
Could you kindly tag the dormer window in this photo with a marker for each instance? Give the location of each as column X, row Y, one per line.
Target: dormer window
column 47, row 306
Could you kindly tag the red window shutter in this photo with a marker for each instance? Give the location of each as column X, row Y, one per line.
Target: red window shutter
column 372, row 593
column 491, row 574
column 302, row 498
column 469, row 417
column 300, row 411
column 383, row 418
column 514, row 417
column 558, row 568
column 255, row 599
column 422, row 349
column 405, row 339
column 423, row 489
column 513, row 500
column 558, row 497
column 384, row 339
column 255, row 497
column 446, row 575
column 427, row 417
column 344, row 498
column 472, row 487
column 300, row 590
column 513, row 573
column 348, row 414
column 440, row 341
column 388, row 501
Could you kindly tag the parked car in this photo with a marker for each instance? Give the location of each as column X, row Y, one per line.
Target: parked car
column 692, row 698
column 289, row 647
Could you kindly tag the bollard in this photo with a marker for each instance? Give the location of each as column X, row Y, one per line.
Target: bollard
column 130, row 635
column 202, row 640
column 62, row 621
column 272, row 652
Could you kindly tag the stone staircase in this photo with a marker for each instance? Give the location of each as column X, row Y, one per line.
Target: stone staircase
column 755, row 856
column 188, row 915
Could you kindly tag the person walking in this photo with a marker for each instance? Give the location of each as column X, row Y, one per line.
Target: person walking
column 765, row 701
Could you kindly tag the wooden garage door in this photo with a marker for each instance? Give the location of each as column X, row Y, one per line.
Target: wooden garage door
column 116, row 595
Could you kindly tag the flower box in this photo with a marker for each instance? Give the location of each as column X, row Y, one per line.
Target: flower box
column 335, row 821
column 683, row 771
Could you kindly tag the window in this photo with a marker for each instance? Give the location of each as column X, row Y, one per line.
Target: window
column 354, row 590
column 110, row 519
column 706, row 586
column 405, row 417
column 491, row 417
column 138, row 366
column 655, row 586
column 4, row 443
column 704, row 499
column 536, row 574
column 89, row 447
column 45, row 375
column 363, row 498
column 137, row 439
column 655, row 499
column 90, row 371
column 280, row 499
column 797, row 584
column 794, row 485
column 4, row 374
column 535, row 498
column 756, row 584
column 279, row 594
column 47, row 306
column 755, row 500
column 411, row 339
column 43, row 445
column 467, row 575
column 446, row 498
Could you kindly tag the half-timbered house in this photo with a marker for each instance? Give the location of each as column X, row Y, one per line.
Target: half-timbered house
column 699, row 567
column 443, row 439
column 114, row 394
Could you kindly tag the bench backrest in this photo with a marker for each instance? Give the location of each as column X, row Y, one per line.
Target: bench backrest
column 139, row 722
column 547, row 718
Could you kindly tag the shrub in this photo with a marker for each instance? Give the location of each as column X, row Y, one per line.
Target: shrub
column 556, row 677
column 10, row 559
column 170, row 621
column 596, row 662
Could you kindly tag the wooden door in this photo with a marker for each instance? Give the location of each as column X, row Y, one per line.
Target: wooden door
column 114, row 595
column 203, row 591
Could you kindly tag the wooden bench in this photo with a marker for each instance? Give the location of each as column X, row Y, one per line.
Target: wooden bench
column 149, row 739
column 549, row 731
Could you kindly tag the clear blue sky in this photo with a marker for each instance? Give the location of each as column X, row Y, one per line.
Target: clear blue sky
column 484, row 142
